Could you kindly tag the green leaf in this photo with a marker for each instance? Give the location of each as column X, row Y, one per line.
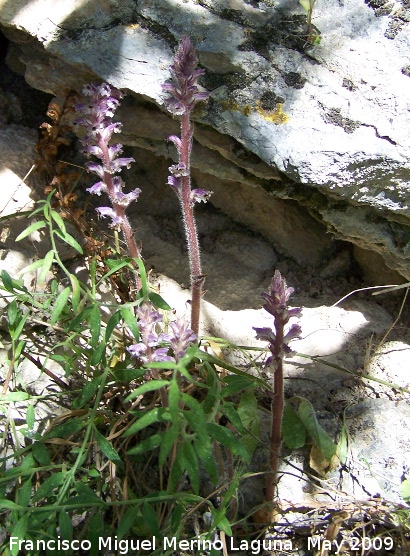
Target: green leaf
column 306, row 5
column 60, row 304
column 70, row 427
column 47, row 262
column 86, row 492
column 9, row 505
column 233, row 416
column 227, row 439
column 67, row 238
column 94, row 320
column 65, row 524
column 112, row 324
column 108, row 449
column 30, row 417
column 293, row 430
column 24, row 493
column 151, row 519
column 405, row 489
column 131, row 322
column 14, row 397
column 87, row 393
column 19, row 532
column 173, row 401
column 318, row 435
column 167, row 444
column 192, row 467
column 178, row 468
column 13, row 313
column 40, row 453
column 205, row 454
column 7, row 281
column 153, row 416
column 147, row 444
column 159, row 302
column 58, row 220
column 235, row 385
column 98, row 353
column 126, row 522
column 33, row 228
column 75, row 291
column 114, row 266
column 248, row 412
column 46, row 489
column 150, row 386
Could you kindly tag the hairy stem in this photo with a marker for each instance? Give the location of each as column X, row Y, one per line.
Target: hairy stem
column 277, row 409
column 189, row 223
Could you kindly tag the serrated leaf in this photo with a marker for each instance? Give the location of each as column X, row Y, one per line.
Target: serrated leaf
column 293, row 430
column 32, row 228
column 318, row 435
column 107, row 449
column 60, row 304
column 67, row 238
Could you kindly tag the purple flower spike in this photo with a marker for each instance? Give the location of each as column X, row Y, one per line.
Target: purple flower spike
column 96, row 113
column 276, row 304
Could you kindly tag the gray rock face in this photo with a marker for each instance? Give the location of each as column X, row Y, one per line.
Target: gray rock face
column 326, row 126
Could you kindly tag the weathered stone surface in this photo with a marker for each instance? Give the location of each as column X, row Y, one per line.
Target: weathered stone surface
column 328, row 125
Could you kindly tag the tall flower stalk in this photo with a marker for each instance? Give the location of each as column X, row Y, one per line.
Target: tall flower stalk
column 96, row 113
column 184, row 94
column 276, row 304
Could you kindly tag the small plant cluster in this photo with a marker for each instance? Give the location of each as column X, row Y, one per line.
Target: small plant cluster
column 154, row 432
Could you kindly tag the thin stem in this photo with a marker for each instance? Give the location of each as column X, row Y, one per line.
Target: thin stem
column 189, row 222
column 277, row 409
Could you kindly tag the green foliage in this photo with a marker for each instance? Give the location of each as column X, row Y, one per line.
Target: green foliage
column 57, row 471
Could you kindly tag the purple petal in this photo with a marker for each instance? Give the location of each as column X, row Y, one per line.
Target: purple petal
column 96, row 168
column 108, row 211
column 176, row 140
column 117, row 164
column 294, row 332
column 265, row 333
column 97, row 188
column 199, row 195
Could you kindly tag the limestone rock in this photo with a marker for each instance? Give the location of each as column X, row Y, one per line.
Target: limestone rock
column 327, row 126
